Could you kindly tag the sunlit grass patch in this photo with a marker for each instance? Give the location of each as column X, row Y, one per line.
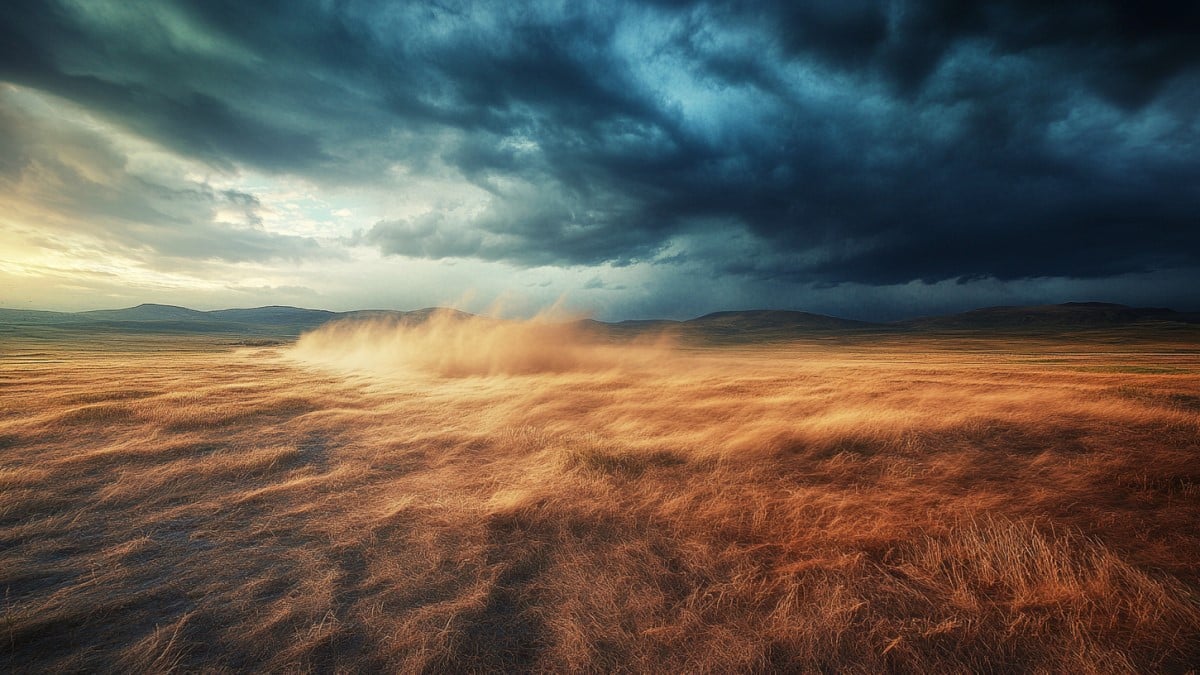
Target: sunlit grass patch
column 794, row 508
column 620, row 462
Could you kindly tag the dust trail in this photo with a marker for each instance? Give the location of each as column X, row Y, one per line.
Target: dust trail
column 451, row 344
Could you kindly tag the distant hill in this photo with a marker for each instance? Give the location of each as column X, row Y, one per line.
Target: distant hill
column 169, row 319
column 771, row 319
column 146, row 312
column 274, row 321
column 275, row 315
column 764, row 325
column 37, row 316
column 719, row 327
column 735, row 326
column 1067, row 316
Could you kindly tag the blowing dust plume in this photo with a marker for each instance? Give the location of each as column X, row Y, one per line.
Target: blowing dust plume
column 450, row 344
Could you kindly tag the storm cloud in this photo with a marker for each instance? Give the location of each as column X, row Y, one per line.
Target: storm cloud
column 813, row 143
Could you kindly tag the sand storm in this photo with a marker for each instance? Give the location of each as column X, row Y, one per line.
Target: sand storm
column 361, row 500
column 451, row 344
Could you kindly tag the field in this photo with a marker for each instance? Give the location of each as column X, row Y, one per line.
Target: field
column 450, row 499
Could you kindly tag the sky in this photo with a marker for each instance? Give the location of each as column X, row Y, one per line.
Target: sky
column 871, row 160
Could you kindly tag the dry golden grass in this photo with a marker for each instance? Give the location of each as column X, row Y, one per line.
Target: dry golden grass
column 908, row 505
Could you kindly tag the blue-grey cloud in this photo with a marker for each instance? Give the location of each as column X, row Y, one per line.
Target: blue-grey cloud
column 809, row 142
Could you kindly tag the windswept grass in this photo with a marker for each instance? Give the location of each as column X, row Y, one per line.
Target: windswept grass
column 857, row 507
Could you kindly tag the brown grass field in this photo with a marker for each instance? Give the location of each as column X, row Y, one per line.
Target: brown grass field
column 527, row 499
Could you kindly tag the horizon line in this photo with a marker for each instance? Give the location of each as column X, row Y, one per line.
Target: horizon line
column 586, row 316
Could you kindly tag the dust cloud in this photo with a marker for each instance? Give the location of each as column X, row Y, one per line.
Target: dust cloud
column 450, row 344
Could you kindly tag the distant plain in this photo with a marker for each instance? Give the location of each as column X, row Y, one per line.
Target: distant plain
column 455, row 495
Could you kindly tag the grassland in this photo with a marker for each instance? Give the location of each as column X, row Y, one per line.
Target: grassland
column 433, row 501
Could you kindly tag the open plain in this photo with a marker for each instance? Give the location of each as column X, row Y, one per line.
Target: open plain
column 453, row 499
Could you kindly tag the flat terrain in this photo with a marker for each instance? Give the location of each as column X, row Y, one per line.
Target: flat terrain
column 505, row 501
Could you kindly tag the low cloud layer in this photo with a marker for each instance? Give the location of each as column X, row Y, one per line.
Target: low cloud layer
column 766, row 145
column 62, row 173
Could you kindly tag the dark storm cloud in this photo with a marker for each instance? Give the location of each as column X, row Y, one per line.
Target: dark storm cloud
column 821, row 142
column 1125, row 50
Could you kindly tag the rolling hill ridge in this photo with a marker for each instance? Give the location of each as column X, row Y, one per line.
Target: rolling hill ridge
column 743, row 325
